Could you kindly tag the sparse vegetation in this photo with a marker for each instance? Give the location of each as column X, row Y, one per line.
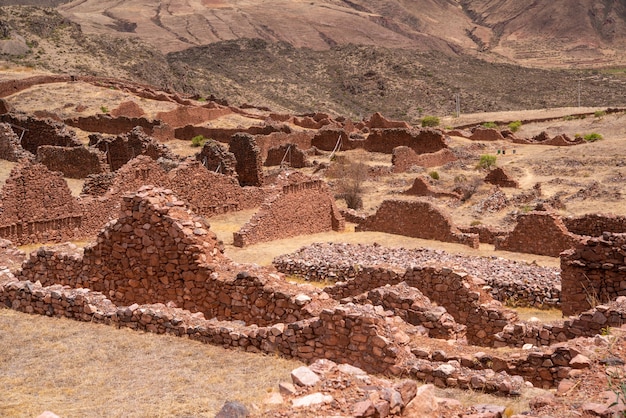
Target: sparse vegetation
column 350, row 177
column 514, row 126
column 104, row 109
column 599, row 113
column 198, row 141
column 434, row 175
column 592, row 137
column 490, row 125
column 487, row 161
column 430, row 121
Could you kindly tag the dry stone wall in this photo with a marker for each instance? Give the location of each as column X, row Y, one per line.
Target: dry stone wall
column 73, row 162
column 421, row 187
column 537, row 232
column 593, row 272
column 249, row 162
column 595, row 224
column 288, row 155
column 500, row 178
column 418, row 219
column 304, row 207
column 215, row 158
column 36, row 132
column 404, row 158
column 105, row 124
column 10, row 146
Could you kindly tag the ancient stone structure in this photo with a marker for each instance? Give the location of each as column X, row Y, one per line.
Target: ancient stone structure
column 36, row 132
column 121, row 149
column 106, row 124
column 225, row 134
column 249, row 162
column 301, row 207
column 377, row 120
column 421, row 141
column 421, row 187
column 542, row 233
column 326, row 139
column 193, row 115
column 130, row 109
column 288, row 155
column 97, row 184
column 595, row 224
column 4, row 107
column 592, row 272
column 217, row 159
column 486, row 233
column 37, row 206
column 418, row 219
column 500, row 178
column 403, row 158
column 486, row 134
column 543, row 138
column 73, row 162
column 10, row 147
column 301, row 139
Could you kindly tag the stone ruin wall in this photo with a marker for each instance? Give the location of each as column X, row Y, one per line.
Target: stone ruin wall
column 73, row 162
column 595, row 224
column 224, row 134
column 422, row 187
column 9, row 87
column 302, row 208
column 301, row 139
column 293, row 156
column 500, row 178
column 37, row 206
column 105, row 124
column 217, row 159
column 593, row 272
column 486, row 233
column 193, row 115
column 537, row 232
column 404, row 158
column 40, row 132
column 10, row 146
column 249, row 164
column 417, row 219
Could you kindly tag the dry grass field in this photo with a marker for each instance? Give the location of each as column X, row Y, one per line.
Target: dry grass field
column 87, row 370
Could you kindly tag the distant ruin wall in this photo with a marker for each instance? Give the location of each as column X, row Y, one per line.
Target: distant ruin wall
column 222, row 134
column 73, row 162
column 106, row 124
column 593, row 272
column 288, row 155
column 299, row 209
column 9, row 87
column 403, row 158
column 541, row 233
column 418, row 219
column 10, row 146
column 37, row 132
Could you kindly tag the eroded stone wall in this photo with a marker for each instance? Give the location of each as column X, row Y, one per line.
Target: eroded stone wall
column 404, row 158
column 73, row 162
column 10, row 147
column 249, row 162
column 418, row 219
column 216, row 158
column 305, row 207
column 288, row 155
column 36, row 132
column 595, row 224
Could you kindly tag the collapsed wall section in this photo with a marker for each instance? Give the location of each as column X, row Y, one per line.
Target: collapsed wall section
column 301, row 208
column 418, row 219
column 34, row 132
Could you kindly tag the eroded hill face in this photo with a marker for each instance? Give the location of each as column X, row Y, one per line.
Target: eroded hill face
column 564, row 33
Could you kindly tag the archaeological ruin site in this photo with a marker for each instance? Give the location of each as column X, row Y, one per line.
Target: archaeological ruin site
column 418, row 274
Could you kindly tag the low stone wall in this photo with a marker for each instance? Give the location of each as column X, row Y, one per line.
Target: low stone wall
column 500, row 178
column 587, row 324
column 288, row 155
column 10, row 147
column 421, row 187
column 593, row 272
column 73, row 162
column 418, row 219
column 486, row 234
column 595, row 224
column 105, row 124
column 301, row 208
column 224, row 134
column 404, row 158
column 37, row 132
column 9, row 87
column 541, row 233
column 193, row 115
column 216, row 158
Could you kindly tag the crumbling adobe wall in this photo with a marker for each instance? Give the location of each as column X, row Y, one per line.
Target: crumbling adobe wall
column 418, row 219
column 500, row 178
column 216, row 158
column 537, row 232
column 593, row 272
column 40, row 132
column 286, row 154
column 10, row 147
column 249, row 162
column 73, row 162
column 37, row 206
column 594, row 224
column 302, row 208
column 121, row 149
column 403, row 158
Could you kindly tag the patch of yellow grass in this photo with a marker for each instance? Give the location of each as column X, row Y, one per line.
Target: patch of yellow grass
column 78, row 369
column 543, row 315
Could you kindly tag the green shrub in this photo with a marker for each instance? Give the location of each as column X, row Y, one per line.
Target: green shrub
column 599, row 113
column 434, row 175
column 490, row 125
column 514, row 126
column 198, row 141
column 475, row 222
column 592, row 137
column 104, row 109
column 430, row 121
column 487, row 161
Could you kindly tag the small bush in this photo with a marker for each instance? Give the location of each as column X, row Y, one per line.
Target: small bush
column 198, row 141
column 434, row 175
column 490, row 125
column 514, row 126
column 475, row 222
column 592, row 137
column 430, row 121
column 104, row 109
column 599, row 113
column 487, row 161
